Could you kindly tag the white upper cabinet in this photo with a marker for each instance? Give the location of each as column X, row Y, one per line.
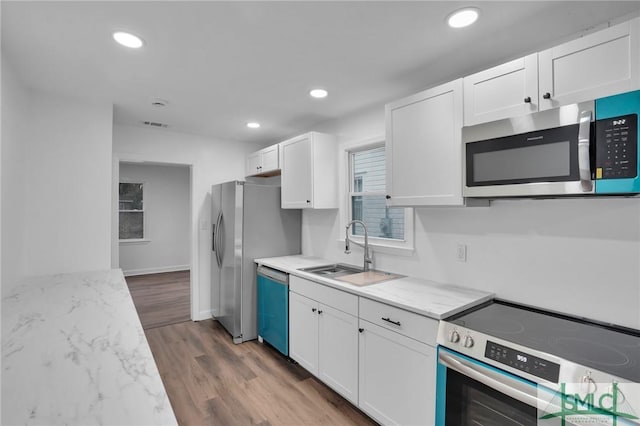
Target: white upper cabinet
column 504, row 91
column 265, row 162
column 600, row 64
column 254, row 162
column 309, row 172
column 597, row 65
column 423, row 144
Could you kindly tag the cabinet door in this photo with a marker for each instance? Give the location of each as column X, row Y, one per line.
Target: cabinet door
column 270, row 159
column 424, row 162
column 397, row 377
column 504, row 91
column 253, row 164
column 599, row 64
column 297, row 173
column 338, row 345
column 303, row 331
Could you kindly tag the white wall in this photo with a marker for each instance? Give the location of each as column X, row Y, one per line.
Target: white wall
column 56, row 168
column 167, row 219
column 213, row 161
column 14, row 128
column 580, row 256
column 68, row 185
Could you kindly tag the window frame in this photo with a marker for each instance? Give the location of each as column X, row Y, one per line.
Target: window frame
column 144, row 238
column 386, row 245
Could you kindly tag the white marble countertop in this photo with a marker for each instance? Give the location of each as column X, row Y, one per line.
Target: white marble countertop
column 424, row 297
column 74, row 353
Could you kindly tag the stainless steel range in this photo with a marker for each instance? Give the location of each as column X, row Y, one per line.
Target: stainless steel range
column 508, row 364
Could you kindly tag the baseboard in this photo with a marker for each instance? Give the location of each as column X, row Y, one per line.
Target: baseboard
column 205, row 315
column 159, row 270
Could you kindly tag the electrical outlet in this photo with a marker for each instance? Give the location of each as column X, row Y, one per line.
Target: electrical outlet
column 462, row 252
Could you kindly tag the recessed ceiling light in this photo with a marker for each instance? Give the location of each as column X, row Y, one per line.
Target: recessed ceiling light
column 127, row 39
column 318, row 93
column 253, row 125
column 463, row 17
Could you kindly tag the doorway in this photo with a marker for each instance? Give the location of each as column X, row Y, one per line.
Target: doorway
column 154, row 239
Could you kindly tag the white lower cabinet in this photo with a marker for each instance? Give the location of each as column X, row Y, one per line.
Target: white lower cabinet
column 303, row 331
column 397, row 376
column 338, row 351
column 323, row 339
column 379, row 357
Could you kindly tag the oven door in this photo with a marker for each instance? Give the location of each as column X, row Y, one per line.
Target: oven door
column 470, row 392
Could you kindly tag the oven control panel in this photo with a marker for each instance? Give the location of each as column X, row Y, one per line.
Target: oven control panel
column 501, row 354
column 522, row 361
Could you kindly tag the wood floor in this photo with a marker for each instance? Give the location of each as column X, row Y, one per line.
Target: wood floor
column 211, row 381
column 161, row 299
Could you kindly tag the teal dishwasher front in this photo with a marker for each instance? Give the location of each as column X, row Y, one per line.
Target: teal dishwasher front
column 273, row 308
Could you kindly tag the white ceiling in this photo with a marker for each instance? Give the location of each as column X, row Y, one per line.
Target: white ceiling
column 221, row 64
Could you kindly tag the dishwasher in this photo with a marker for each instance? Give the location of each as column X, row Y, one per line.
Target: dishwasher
column 273, row 308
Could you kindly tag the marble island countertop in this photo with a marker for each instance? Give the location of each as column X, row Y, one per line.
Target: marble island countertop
column 74, row 352
column 424, row 297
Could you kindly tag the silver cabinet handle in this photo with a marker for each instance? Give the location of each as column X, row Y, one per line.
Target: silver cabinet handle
column 584, row 142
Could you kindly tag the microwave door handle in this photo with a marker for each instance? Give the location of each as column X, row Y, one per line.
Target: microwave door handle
column 502, row 383
column 584, row 142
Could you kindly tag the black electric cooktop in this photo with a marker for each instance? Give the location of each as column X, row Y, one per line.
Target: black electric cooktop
column 610, row 349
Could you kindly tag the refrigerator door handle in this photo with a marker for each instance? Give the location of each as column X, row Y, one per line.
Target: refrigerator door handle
column 220, row 247
column 213, row 235
column 216, row 241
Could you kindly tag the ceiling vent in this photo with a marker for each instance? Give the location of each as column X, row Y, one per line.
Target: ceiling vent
column 155, row 124
column 159, row 103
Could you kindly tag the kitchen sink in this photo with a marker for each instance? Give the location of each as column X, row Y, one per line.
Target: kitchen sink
column 351, row 274
column 334, row 270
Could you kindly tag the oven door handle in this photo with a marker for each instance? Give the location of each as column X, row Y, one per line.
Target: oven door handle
column 502, row 383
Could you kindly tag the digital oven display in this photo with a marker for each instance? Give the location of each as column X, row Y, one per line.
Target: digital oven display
column 523, row 361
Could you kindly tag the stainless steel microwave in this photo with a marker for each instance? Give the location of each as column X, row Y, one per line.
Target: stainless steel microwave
column 589, row 148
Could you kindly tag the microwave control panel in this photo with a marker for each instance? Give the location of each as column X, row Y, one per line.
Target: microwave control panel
column 616, row 147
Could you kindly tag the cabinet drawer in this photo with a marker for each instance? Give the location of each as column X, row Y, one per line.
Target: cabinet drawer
column 326, row 295
column 404, row 322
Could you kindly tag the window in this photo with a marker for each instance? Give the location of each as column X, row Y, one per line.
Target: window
column 367, row 196
column 131, row 211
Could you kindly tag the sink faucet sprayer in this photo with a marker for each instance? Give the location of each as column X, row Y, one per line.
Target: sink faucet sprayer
column 367, row 253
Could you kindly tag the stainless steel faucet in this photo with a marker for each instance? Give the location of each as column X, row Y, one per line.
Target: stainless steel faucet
column 367, row 254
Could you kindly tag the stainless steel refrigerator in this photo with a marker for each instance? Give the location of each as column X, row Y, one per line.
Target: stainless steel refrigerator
column 248, row 223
